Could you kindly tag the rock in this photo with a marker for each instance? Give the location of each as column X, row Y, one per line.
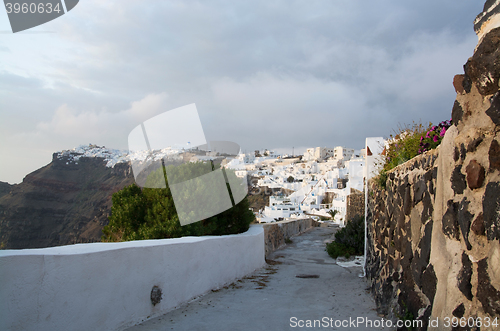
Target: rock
column 458, row 83
column 458, row 180
column 4, row 188
column 478, row 225
column 459, row 311
column 465, row 277
column 464, row 221
column 483, row 67
column 494, row 111
column 429, row 283
column 491, row 210
column 487, row 294
column 475, row 174
column 457, row 113
column 472, row 146
column 494, row 155
column 450, row 221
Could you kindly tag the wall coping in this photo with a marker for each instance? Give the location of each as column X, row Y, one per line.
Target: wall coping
column 110, row 246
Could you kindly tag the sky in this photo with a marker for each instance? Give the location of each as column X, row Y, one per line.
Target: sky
column 276, row 74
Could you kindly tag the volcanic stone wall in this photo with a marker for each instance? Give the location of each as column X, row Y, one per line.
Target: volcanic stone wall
column 434, row 232
column 355, row 204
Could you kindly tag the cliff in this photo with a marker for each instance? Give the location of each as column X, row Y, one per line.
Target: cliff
column 4, row 188
column 63, row 203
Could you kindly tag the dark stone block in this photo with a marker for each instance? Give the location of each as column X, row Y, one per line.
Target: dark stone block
column 475, row 174
column 464, row 221
column 429, row 282
column 428, row 176
column 458, row 180
column 466, row 83
column 472, row 146
column 457, row 112
column 407, row 203
column 418, row 190
column 463, row 152
column 494, row 111
column 428, row 207
column 488, row 295
column 450, row 221
column 459, row 311
column 409, row 299
column 417, row 268
column 407, row 254
column 465, row 277
column 491, row 210
column 458, row 81
column 425, row 243
column 478, row 225
column 456, row 154
column 483, row 67
column 494, row 155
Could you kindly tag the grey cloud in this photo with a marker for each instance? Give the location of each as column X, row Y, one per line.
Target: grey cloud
column 260, row 72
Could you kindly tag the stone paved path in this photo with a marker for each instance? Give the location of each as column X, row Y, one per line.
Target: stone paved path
column 273, row 298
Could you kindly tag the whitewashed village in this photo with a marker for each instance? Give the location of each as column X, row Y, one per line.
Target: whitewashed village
column 317, row 183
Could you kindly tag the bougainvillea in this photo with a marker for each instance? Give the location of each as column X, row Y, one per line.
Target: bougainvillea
column 410, row 141
column 433, row 136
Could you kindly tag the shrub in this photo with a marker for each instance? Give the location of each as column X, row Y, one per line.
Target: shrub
column 433, row 136
column 410, row 141
column 149, row 213
column 349, row 240
column 404, row 145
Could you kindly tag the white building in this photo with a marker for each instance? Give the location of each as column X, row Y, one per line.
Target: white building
column 342, row 153
column 317, row 153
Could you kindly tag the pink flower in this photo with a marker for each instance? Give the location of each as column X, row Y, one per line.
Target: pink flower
column 427, row 135
column 443, row 131
column 435, row 138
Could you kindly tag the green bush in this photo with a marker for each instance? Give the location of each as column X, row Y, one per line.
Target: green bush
column 349, row 240
column 404, row 145
column 408, row 142
column 149, row 213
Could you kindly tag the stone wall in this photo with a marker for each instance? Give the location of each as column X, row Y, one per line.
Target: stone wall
column 434, row 233
column 276, row 233
column 400, row 226
column 355, row 204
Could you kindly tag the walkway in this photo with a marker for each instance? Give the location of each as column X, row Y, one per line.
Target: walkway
column 274, row 298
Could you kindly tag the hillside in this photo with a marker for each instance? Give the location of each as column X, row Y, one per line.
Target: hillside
column 4, row 188
column 67, row 201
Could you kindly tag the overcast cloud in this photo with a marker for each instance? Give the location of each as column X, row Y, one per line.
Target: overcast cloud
column 265, row 74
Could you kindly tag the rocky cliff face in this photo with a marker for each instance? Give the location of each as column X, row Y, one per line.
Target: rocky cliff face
column 62, row 203
column 4, row 188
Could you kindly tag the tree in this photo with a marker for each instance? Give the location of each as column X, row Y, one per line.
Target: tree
column 333, row 213
column 150, row 213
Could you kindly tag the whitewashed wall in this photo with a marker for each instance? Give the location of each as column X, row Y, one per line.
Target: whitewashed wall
column 107, row 286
